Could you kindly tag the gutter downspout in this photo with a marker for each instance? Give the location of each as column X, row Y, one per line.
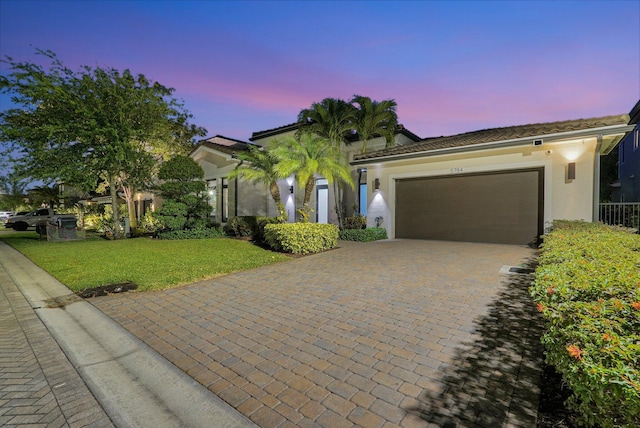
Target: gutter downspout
column 596, row 182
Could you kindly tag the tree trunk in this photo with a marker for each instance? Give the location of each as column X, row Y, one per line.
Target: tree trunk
column 113, row 190
column 337, row 189
column 275, row 194
column 308, row 189
column 131, row 207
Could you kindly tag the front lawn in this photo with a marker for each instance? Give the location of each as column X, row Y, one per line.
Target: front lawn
column 150, row 264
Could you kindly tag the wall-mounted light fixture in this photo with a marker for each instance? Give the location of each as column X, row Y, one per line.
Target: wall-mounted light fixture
column 376, row 184
column 571, row 171
column 290, row 189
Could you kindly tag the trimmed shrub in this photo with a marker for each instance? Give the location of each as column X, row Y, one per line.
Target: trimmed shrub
column 242, row 226
column 200, row 233
column 173, row 215
column 301, row 238
column 587, row 287
column 363, row 235
column 261, row 222
column 355, row 222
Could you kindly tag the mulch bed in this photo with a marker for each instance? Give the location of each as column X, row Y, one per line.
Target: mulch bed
column 104, row 290
column 552, row 413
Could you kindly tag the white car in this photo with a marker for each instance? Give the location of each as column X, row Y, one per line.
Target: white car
column 4, row 215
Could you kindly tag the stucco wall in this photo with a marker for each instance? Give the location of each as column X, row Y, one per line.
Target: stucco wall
column 563, row 198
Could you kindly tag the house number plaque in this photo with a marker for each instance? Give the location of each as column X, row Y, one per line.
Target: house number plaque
column 456, row 170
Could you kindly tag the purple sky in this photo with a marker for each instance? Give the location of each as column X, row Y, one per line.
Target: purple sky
column 451, row 66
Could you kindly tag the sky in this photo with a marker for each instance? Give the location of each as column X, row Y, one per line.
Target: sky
column 451, row 66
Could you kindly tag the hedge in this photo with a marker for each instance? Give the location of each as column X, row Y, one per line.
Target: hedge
column 363, row 235
column 587, row 287
column 199, row 233
column 301, row 238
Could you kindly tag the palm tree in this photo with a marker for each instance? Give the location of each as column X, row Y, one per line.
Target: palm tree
column 332, row 119
column 375, row 119
column 306, row 157
column 49, row 195
column 12, row 192
column 259, row 166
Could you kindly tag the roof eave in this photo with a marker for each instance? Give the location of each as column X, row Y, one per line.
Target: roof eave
column 605, row 130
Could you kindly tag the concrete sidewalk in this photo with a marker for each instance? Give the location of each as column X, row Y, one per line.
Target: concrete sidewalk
column 66, row 364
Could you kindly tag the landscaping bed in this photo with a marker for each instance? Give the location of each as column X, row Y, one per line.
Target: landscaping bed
column 587, row 288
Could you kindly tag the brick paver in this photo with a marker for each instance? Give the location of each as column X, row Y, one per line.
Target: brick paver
column 391, row 333
column 38, row 385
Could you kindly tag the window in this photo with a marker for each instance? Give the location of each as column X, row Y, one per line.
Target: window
column 362, row 203
column 635, row 139
column 225, row 199
column 212, row 191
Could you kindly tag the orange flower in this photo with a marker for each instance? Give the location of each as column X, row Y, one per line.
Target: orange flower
column 550, row 290
column 575, row 352
column 607, row 337
column 636, row 305
column 540, row 307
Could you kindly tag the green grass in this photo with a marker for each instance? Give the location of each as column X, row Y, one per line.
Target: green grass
column 150, row 264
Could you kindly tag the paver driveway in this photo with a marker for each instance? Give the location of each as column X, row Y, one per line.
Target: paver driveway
column 399, row 332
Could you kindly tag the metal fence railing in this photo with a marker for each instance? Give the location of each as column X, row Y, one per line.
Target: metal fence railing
column 625, row 214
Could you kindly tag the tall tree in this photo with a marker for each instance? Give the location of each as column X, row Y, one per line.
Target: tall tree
column 375, row 119
column 333, row 120
column 309, row 156
column 97, row 122
column 259, row 166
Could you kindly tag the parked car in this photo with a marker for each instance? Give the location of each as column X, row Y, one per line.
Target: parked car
column 4, row 215
column 38, row 219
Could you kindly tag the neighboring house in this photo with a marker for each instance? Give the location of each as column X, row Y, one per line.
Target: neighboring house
column 237, row 197
column 502, row 185
column 627, row 189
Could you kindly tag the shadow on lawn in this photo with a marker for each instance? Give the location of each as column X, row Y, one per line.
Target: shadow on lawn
column 495, row 379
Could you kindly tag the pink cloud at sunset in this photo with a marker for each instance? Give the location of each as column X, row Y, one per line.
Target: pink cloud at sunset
column 452, row 67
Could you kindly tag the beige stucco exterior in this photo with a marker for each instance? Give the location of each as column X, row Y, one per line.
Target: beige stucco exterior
column 563, row 198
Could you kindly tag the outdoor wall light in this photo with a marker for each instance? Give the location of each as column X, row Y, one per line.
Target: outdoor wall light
column 290, row 189
column 571, row 171
column 376, row 184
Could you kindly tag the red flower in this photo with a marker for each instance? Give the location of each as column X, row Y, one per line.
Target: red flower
column 540, row 307
column 575, row 352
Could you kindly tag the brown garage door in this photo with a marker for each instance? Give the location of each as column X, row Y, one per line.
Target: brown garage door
column 503, row 207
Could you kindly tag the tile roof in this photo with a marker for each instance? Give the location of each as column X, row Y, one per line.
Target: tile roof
column 225, row 145
column 510, row 133
column 400, row 129
column 274, row 131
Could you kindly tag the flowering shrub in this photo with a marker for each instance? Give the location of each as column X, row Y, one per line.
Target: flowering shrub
column 587, row 287
column 301, row 238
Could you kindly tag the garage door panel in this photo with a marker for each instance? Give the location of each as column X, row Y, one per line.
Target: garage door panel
column 499, row 207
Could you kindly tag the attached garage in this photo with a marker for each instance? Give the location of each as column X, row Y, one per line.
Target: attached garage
column 503, row 207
